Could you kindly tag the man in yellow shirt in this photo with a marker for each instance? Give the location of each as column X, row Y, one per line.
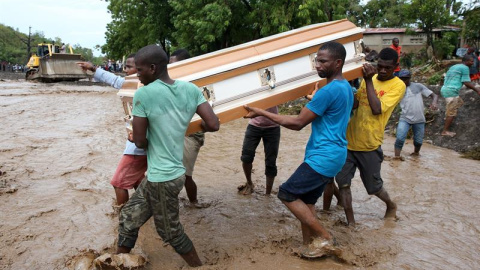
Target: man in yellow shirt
column 374, row 102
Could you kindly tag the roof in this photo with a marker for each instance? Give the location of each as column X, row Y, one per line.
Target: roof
column 372, row 31
column 383, row 30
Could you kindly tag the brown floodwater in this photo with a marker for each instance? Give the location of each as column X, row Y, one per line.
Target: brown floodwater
column 61, row 145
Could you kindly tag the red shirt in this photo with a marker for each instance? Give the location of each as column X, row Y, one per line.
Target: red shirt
column 398, row 50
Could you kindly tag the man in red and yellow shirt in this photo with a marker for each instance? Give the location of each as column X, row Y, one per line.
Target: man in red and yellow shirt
column 395, row 45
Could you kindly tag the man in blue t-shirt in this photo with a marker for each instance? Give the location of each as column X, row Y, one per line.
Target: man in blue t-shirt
column 163, row 109
column 326, row 151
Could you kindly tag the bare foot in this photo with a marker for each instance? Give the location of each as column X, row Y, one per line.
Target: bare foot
column 391, row 212
column 245, row 189
column 401, row 158
column 321, row 247
column 117, row 208
column 198, row 205
column 448, row 133
column 415, row 154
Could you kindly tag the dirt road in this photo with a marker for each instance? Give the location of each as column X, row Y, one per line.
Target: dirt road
column 62, row 144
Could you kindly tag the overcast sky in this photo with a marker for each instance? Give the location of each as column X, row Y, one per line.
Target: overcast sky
column 81, row 22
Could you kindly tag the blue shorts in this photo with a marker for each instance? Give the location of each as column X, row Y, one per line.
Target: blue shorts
column 304, row 184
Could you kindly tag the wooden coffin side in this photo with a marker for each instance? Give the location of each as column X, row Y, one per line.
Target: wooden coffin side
column 295, row 91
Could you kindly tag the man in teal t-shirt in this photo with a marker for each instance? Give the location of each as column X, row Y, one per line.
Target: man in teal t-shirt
column 457, row 76
column 162, row 110
column 164, row 155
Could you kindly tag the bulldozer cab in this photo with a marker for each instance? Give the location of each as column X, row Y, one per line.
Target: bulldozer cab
column 47, row 49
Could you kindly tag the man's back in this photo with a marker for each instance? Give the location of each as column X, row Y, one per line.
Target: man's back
column 456, row 76
column 365, row 130
column 169, row 109
column 412, row 103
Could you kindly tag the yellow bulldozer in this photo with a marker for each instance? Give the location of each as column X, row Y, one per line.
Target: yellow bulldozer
column 53, row 63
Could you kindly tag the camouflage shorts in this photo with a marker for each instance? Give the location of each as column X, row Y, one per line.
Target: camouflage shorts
column 160, row 200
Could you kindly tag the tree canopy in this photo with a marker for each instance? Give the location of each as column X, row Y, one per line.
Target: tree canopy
column 203, row 26
column 208, row 25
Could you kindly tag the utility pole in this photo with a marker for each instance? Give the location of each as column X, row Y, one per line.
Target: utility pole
column 27, row 41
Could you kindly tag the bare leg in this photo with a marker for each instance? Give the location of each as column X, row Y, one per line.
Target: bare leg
column 416, row 150
column 328, row 195
column 304, row 213
column 397, row 152
column 270, row 180
column 247, row 189
column 122, row 195
column 192, row 258
column 448, row 122
column 191, row 189
column 391, row 211
column 336, row 193
column 346, row 197
column 331, row 190
column 308, row 235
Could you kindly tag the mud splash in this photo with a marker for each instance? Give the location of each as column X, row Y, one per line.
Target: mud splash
column 63, row 142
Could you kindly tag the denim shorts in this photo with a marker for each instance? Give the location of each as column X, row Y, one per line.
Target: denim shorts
column 402, row 130
column 305, row 184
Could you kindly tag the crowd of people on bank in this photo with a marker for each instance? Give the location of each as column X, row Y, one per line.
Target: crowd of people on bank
column 10, row 67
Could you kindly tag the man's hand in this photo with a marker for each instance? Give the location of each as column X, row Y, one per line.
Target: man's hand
column 434, row 106
column 252, row 112
column 87, row 66
column 310, row 97
column 368, row 71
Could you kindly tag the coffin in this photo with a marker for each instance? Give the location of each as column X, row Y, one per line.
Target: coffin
column 262, row 73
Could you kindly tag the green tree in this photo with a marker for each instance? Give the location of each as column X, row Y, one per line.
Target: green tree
column 429, row 14
column 14, row 44
column 385, row 13
column 204, row 26
column 471, row 22
column 87, row 54
column 136, row 24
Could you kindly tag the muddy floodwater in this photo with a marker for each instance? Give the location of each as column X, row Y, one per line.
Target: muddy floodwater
column 61, row 145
